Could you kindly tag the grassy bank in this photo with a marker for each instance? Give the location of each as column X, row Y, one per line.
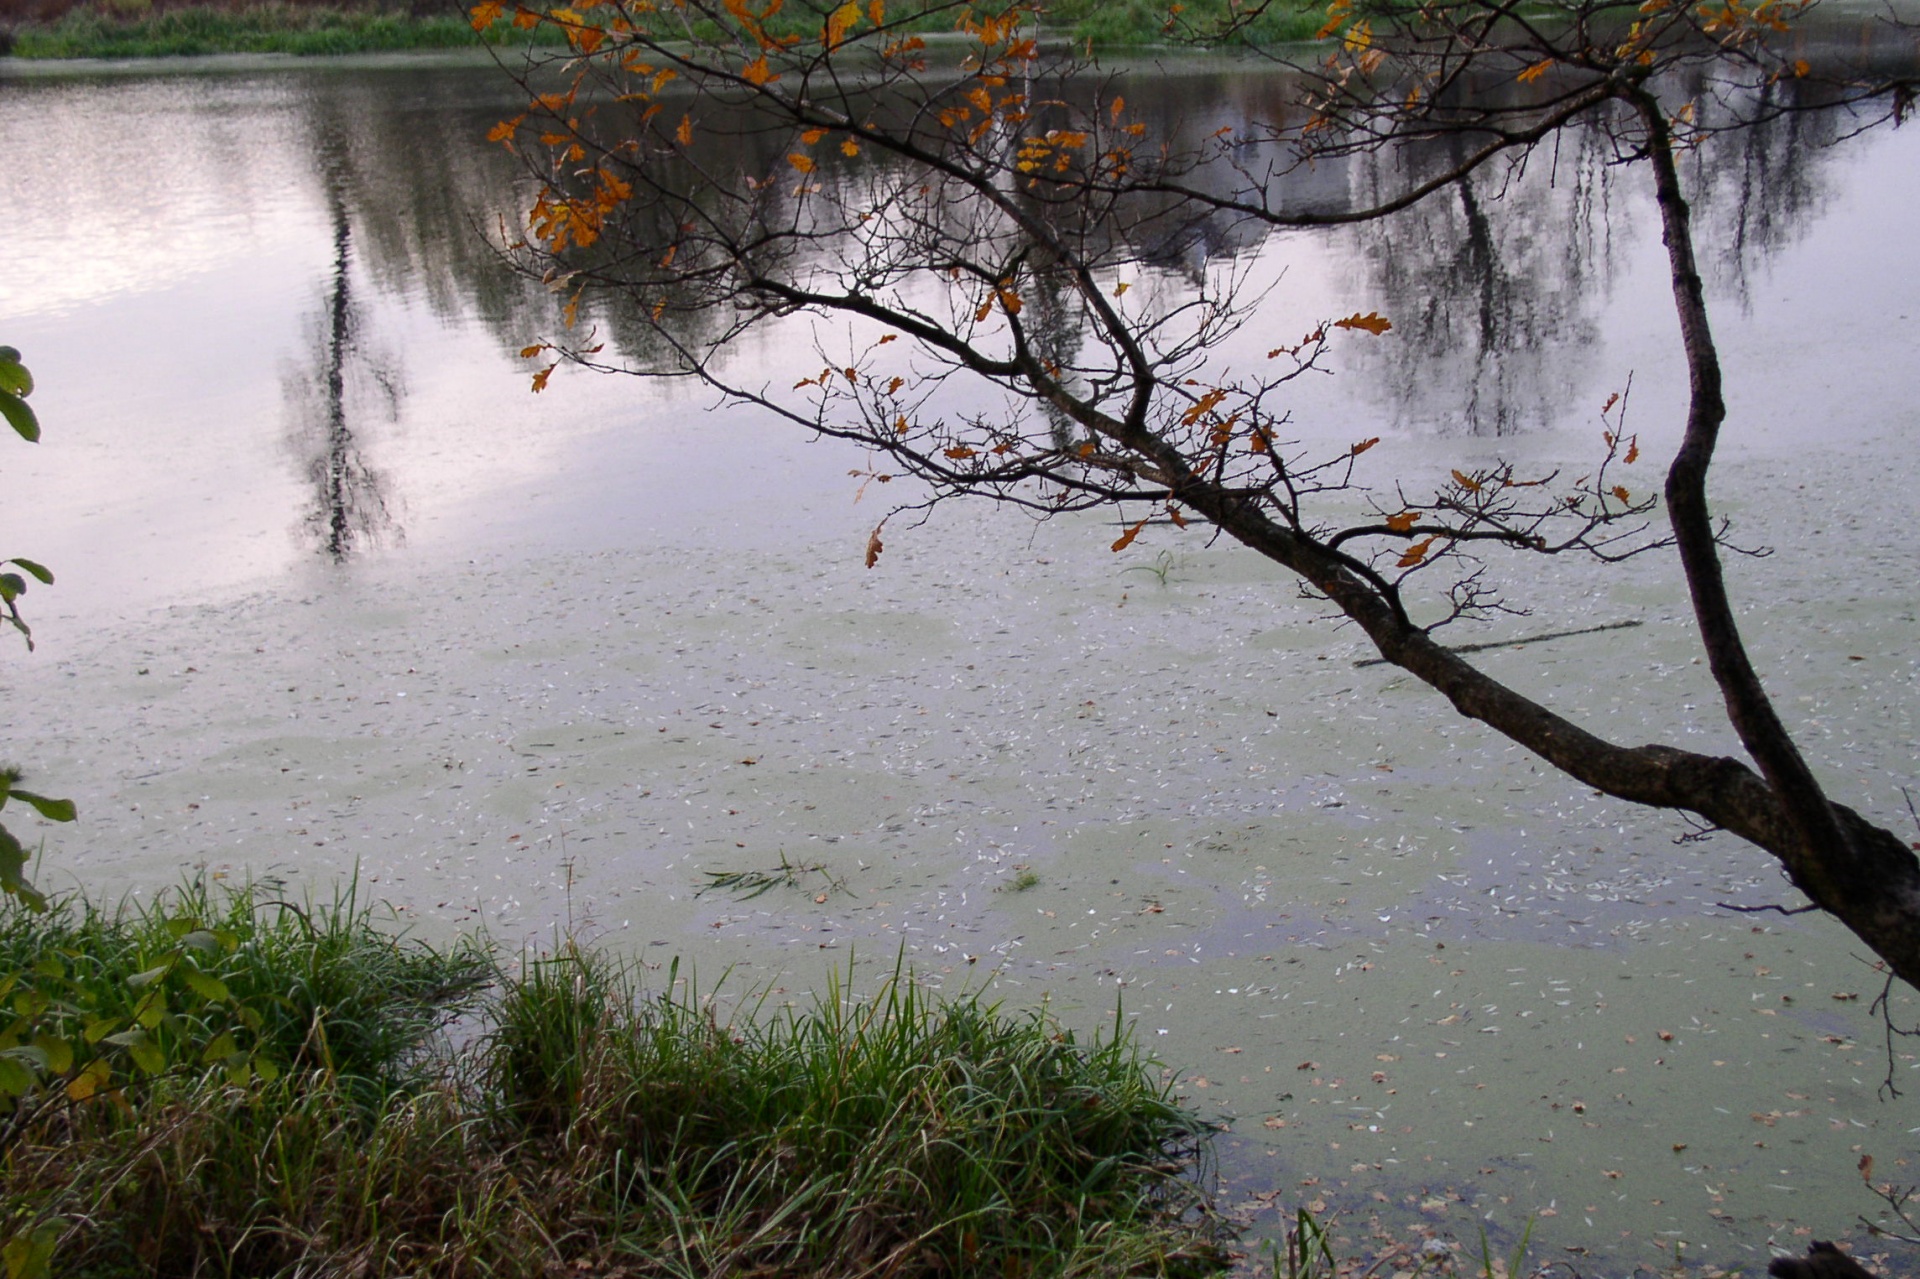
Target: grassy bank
column 306, row 30
column 301, row 1109
column 137, row 29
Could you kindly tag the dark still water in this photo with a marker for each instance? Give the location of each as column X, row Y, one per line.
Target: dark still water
column 338, row 593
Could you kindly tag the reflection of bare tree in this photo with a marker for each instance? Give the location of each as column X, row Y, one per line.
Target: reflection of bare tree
column 1760, row 187
column 1494, row 293
column 349, row 509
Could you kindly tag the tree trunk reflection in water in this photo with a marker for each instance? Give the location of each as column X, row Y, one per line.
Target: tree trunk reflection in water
column 349, row 510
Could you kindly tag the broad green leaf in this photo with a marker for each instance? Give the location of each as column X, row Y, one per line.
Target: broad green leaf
column 32, row 1003
column 222, row 1048
column 264, row 1067
column 12, row 586
column 140, row 981
column 90, row 1080
column 49, row 966
column 15, row 1079
column 211, row 989
column 13, row 865
column 20, row 417
column 29, row 1255
column 201, row 939
column 98, row 1030
column 58, row 1052
column 54, row 810
column 36, row 569
column 31, row 1054
column 146, row 1054
column 14, row 378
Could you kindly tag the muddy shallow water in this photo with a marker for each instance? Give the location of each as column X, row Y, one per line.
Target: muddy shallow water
column 606, row 646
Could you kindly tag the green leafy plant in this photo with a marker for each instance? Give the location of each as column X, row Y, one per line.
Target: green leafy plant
column 16, row 384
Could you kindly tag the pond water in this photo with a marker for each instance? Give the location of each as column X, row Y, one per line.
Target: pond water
column 336, row 592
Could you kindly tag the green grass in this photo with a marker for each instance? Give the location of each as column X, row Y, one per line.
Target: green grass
column 263, row 28
column 133, row 29
column 578, row 1122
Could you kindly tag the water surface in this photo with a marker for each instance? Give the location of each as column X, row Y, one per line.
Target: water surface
column 337, row 591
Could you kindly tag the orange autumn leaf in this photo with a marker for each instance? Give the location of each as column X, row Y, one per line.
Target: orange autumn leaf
column 487, row 13
column 1173, row 513
column 875, row 545
column 1203, row 406
column 757, row 73
column 1336, row 15
column 1402, row 522
column 1363, row 446
column 1120, row 289
column 877, row 12
column 804, row 163
column 684, row 134
column 1529, row 74
column 1466, row 481
column 1633, row 451
column 1417, row 552
column 985, row 309
column 1119, row 105
column 1620, row 491
column 1126, row 539
column 540, row 378
column 528, row 352
column 812, row 136
column 1372, row 322
column 849, row 148
column 839, row 22
column 958, row 452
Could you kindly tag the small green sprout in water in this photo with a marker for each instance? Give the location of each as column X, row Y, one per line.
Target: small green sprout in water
column 749, row 884
column 1021, row 882
column 1163, row 564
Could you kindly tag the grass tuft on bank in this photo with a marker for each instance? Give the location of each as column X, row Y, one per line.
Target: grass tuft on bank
column 574, row 1120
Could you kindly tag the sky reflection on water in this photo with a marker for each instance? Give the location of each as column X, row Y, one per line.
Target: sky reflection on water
column 176, row 249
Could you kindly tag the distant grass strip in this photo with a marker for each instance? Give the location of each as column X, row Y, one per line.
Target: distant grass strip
column 587, row 1127
column 305, row 30
column 127, row 29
